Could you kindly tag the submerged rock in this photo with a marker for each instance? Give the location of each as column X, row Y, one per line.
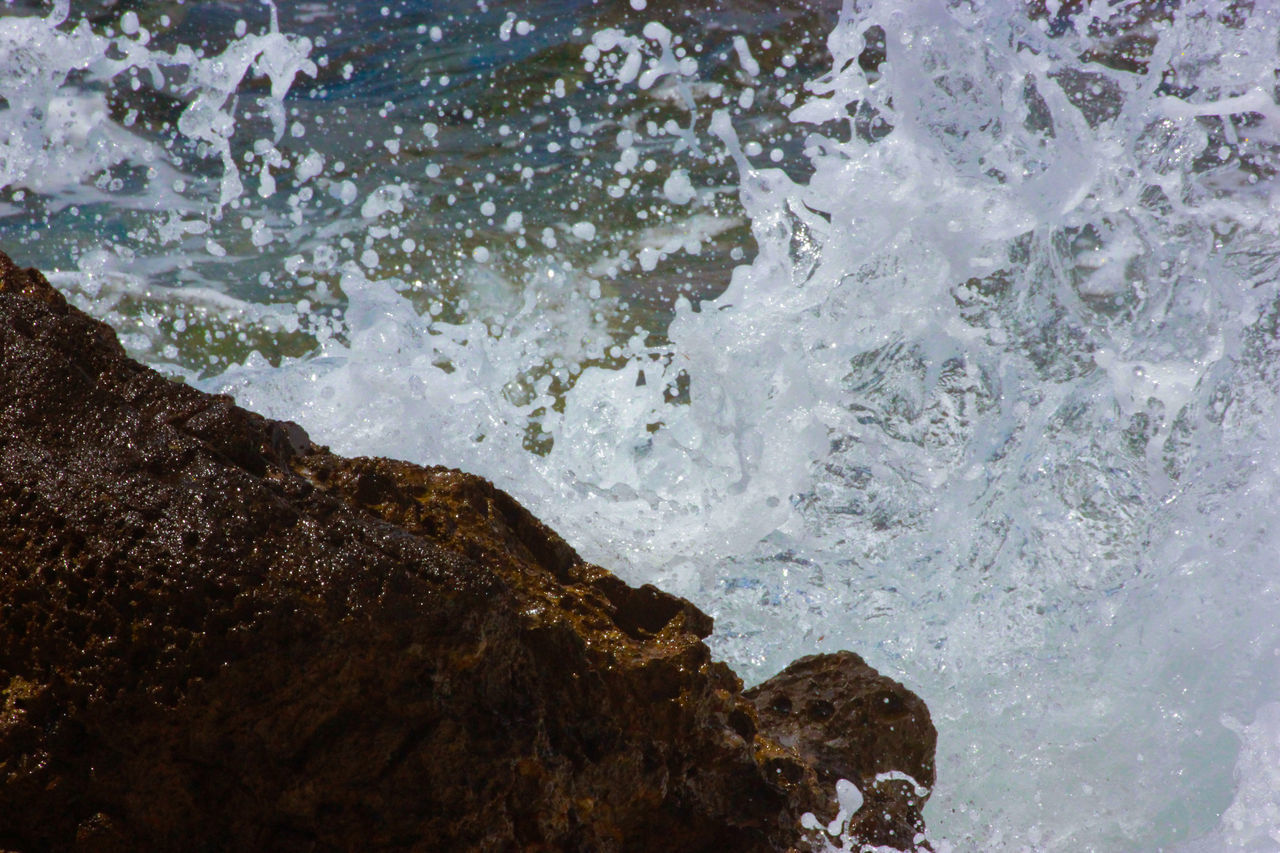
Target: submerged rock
column 217, row 635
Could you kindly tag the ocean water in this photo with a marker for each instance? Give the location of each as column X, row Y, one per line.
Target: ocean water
column 946, row 332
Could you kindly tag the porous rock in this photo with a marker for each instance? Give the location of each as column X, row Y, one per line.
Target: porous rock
column 848, row 721
column 217, row 635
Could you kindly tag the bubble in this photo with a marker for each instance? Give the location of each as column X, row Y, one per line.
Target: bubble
column 678, row 188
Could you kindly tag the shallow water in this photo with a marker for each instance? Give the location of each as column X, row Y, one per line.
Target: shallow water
column 951, row 340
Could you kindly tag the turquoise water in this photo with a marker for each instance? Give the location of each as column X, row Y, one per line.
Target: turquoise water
column 944, row 332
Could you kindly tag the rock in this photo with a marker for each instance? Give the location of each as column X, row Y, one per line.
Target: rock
column 848, row 721
column 217, row 635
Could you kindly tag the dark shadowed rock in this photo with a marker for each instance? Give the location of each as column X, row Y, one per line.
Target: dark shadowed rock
column 216, row 635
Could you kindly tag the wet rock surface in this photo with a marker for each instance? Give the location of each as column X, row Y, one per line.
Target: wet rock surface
column 848, row 721
column 217, row 635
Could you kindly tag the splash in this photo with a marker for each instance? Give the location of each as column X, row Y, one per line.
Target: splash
column 993, row 402
column 54, row 142
column 118, row 156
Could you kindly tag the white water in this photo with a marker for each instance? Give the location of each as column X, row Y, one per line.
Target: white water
column 994, row 404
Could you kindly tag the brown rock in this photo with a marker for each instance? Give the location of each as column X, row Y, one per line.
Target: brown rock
column 216, row 635
column 848, row 721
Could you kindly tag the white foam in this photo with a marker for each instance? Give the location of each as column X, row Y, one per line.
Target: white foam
column 1252, row 821
column 915, row 426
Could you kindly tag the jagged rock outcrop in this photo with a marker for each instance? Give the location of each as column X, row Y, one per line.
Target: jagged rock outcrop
column 217, row 635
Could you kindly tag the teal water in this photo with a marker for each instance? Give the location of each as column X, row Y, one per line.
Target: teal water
column 940, row 331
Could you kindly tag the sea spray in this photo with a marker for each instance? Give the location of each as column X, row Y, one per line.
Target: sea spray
column 980, row 407
column 1031, row 271
column 991, row 404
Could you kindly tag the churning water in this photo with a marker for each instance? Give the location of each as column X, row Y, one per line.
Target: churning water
column 942, row 331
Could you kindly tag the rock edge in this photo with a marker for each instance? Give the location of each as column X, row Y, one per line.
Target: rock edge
column 215, row 634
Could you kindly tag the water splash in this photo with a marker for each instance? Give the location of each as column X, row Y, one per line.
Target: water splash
column 992, row 404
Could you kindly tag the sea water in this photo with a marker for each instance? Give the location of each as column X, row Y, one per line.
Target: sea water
column 946, row 332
